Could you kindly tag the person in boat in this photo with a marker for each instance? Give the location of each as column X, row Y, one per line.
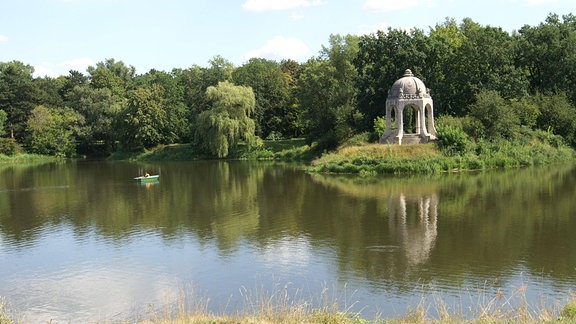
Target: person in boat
column 146, row 175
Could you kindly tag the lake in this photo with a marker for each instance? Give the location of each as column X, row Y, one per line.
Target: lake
column 80, row 241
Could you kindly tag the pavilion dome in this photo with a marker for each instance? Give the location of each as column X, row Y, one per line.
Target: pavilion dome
column 408, row 87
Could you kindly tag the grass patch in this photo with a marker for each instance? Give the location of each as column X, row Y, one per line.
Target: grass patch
column 173, row 152
column 371, row 159
column 291, row 150
column 25, row 157
column 4, row 318
column 283, row 305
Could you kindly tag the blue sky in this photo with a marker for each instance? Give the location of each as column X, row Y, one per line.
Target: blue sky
column 55, row 36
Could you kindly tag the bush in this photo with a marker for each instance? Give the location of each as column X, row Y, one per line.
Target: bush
column 8, row 146
column 379, row 126
column 452, row 140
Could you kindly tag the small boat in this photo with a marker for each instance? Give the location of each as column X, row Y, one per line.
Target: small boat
column 150, row 178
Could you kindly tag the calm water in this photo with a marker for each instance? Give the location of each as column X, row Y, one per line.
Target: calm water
column 81, row 242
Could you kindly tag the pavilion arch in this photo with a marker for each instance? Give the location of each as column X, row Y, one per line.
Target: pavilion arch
column 409, row 92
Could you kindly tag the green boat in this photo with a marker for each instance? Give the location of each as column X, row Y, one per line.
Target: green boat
column 150, row 178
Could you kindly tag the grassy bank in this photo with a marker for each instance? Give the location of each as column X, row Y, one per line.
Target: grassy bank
column 360, row 157
column 279, row 307
column 371, row 159
column 25, row 158
column 283, row 150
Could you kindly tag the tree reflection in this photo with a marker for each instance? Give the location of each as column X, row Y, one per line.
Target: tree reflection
column 388, row 230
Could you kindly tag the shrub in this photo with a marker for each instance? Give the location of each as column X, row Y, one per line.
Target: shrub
column 496, row 115
column 379, row 126
column 452, row 140
column 8, row 146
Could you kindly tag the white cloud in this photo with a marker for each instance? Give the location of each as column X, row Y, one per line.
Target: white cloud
column 395, row 5
column 78, row 64
column 268, row 5
column 279, row 48
column 52, row 69
column 3, row 38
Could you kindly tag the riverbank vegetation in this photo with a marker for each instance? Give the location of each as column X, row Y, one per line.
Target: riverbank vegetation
column 494, row 92
column 279, row 307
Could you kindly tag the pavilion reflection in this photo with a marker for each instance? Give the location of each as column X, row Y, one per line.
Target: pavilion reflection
column 414, row 219
column 406, row 216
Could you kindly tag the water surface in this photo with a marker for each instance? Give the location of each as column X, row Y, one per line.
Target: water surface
column 82, row 242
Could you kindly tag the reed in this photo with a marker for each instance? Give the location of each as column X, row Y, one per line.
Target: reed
column 4, row 318
column 283, row 305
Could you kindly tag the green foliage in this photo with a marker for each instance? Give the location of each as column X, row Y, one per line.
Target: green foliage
column 557, row 115
column 496, row 115
column 502, row 83
column 379, row 126
column 177, row 127
column 228, row 121
column 18, row 96
column 569, row 310
column 548, row 53
column 381, row 60
column 455, row 61
column 327, row 92
column 452, row 140
column 9, row 146
column 100, row 109
column 52, row 131
column 535, row 148
column 3, row 118
column 144, row 119
column 275, row 110
column 112, row 75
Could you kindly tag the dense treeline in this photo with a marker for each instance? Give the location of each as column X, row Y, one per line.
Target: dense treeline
column 526, row 79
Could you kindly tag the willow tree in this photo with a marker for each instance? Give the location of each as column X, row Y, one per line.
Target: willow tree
column 228, row 121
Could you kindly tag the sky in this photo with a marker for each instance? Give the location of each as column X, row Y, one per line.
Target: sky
column 55, row 36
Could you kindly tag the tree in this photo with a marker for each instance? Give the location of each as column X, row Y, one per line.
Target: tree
column 100, row 109
column 3, row 118
column 496, row 115
column 52, row 131
column 18, row 96
column 382, row 58
column 272, row 91
column 547, row 53
column 142, row 122
column 228, row 121
column 327, row 92
column 177, row 126
column 197, row 79
column 112, row 75
column 558, row 115
column 48, row 91
column 73, row 79
column 485, row 61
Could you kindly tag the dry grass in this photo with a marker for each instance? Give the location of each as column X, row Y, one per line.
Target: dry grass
column 4, row 318
column 389, row 151
column 278, row 307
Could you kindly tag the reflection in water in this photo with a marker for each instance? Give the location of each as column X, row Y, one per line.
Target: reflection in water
column 414, row 218
column 69, row 230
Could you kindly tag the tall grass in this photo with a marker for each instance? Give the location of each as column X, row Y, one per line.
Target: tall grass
column 25, row 157
column 281, row 305
column 428, row 158
column 4, row 318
